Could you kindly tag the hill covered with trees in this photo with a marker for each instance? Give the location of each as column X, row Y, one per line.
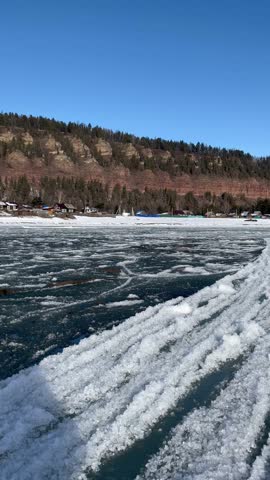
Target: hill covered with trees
column 86, row 164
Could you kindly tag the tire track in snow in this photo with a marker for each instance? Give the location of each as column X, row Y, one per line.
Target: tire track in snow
column 223, row 441
column 217, row 442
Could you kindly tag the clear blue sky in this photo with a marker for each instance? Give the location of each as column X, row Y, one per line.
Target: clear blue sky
column 197, row 70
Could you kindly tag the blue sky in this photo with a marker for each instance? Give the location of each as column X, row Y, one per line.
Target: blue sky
column 196, row 70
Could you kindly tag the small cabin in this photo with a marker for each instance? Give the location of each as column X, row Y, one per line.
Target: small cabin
column 70, row 208
column 88, row 209
column 64, row 208
column 3, row 205
column 11, row 207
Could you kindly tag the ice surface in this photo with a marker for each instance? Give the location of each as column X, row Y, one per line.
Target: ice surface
column 76, row 409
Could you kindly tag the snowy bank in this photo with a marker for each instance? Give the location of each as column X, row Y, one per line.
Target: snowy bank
column 119, row 221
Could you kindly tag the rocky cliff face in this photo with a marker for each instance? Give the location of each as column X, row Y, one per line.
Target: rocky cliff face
column 47, row 154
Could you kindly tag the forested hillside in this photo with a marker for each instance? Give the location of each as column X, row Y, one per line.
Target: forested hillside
column 174, row 157
column 86, row 164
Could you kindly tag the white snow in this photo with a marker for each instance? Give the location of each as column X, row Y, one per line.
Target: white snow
column 84, row 221
column 183, row 309
column 196, row 270
column 226, row 288
column 123, row 303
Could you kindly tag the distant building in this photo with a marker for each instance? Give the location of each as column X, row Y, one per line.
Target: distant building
column 11, row 207
column 257, row 214
column 64, row 208
column 70, row 208
column 88, row 209
column 210, row 214
column 48, row 209
column 179, row 212
column 3, row 205
column 26, row 208
column 188, row 212
column 125, row 214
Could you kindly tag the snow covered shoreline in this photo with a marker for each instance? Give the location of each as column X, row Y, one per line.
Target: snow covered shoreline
column 119, row 221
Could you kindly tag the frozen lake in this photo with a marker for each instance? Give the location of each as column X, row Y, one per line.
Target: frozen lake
column 165, row 374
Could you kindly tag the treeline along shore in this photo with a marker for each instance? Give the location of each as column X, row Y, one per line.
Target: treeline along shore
column 83, row 193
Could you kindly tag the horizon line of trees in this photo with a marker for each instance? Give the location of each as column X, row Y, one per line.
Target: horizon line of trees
column 93, row 193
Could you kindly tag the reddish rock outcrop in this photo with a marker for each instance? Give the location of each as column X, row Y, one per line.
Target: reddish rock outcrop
column 52, row 161
column 103, row 148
